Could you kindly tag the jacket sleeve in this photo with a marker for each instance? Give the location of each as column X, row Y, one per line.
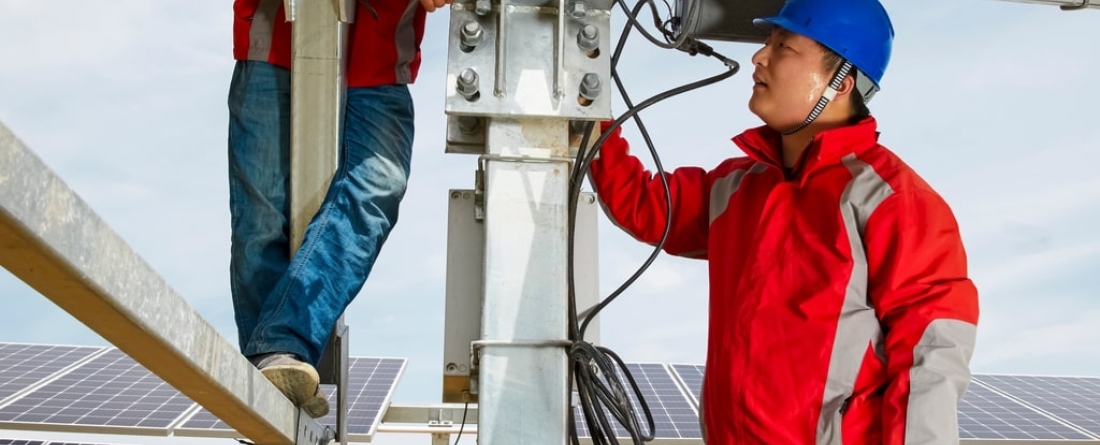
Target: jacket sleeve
column 928, row 309
column 634, row 199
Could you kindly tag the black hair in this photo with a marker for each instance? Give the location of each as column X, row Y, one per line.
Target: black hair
column 859, row 106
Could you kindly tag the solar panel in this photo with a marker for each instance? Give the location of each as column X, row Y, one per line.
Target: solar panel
column 1075, row 400
column 691, row 376
column 22, row 365
column 111, row 392
column 674, row 417
column 985, row 414
column 371, row 382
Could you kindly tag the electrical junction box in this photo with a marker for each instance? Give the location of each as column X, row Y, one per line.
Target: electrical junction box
column 465, row 278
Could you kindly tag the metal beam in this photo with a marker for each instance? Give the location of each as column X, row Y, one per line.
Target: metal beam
column 52, row 240
column 1066, row 5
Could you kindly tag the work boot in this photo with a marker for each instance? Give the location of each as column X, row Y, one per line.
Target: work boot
column 297, row 380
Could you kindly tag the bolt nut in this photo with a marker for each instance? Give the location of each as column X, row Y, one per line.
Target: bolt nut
column 578, row 9
column 470, row 36
column 468, row 124
column 482, row 7
column 588, row 39
column 591, row 86
column 467, row 84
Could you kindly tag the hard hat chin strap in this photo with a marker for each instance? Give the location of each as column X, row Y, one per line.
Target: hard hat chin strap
column 827, row 96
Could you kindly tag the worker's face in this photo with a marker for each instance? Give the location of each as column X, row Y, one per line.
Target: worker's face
column 788, row 80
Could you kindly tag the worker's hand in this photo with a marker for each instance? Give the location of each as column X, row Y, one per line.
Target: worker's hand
column 432, row 5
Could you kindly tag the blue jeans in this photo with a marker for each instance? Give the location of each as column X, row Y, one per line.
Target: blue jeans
column 285, row 304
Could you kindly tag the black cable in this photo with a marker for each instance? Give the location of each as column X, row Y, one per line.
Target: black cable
column 465, row 407
column 596, row 370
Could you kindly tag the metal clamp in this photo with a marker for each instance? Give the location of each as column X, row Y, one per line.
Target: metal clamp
column 484, row 159
column 477, row 345
column 312, row 433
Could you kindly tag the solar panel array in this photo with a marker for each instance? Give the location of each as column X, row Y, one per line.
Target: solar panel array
column 67, row 388
column 111, row 390
column 90, row 389
column 985, row 414
column 1075, row 400
column 1022, row 408
column 22, row 365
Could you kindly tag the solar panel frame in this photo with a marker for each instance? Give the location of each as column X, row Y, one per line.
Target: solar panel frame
column 674, row 415
column 1073, row 400
column 111, row 393
column 24, row 366
column 691, row 377
column 371, row 384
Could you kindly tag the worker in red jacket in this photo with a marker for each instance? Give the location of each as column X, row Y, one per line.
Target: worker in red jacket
column 285, row 307
column 840, row 307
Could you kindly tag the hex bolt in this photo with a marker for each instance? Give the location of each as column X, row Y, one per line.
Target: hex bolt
column 482, row 7
column 590, row 88
column 578, row 9
column 467, row 124
column 588, row 39
column 467, row 84
column 470, row 36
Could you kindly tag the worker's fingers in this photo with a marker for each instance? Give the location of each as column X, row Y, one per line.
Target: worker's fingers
column 432, row 5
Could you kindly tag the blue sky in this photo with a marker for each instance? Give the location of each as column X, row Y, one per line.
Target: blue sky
column 990, row 101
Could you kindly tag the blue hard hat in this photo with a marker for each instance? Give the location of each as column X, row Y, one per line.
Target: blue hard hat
column 858, row 30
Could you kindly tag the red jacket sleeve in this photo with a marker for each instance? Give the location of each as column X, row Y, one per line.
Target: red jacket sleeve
column 928, row 309
column 634, row 199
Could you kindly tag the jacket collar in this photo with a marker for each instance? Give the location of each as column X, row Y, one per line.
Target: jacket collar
column 763, row 145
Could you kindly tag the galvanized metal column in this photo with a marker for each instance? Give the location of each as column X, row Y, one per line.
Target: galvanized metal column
column 518, row 73
column 318, row 91
column 523, row 371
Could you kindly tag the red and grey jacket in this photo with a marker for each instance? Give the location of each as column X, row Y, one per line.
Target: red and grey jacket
column 840, row 307
column 383, row 43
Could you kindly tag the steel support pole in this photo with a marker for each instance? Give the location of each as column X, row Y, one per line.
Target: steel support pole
column 519, row 71
column 318, row 96
column 524, row 391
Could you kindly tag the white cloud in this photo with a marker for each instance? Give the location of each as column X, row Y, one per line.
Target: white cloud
column 1044, row 341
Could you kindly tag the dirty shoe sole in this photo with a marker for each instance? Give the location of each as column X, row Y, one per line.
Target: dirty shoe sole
column 300, row 384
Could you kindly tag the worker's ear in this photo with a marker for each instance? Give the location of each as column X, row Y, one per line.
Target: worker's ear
column 847, row 87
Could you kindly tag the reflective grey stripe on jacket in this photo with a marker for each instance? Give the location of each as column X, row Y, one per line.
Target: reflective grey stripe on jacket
column 724, row 187
column 857, row 327
column 261, row 30
column 939, row 376
column 405, row 41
